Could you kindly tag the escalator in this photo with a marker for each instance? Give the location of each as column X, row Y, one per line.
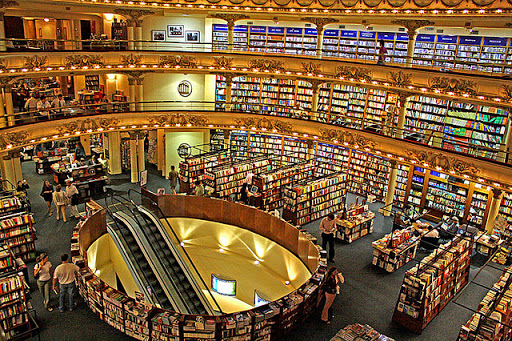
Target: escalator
column 154, row 260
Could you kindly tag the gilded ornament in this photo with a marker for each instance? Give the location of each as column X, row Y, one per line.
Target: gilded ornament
column 36, row 62
column 222, row 62
column 8, row 3
column 229, row 18
column 131, row 59
column 267, row 64
column 400, row 78
column 84, row 60
column 13, row 138
column 320, row 22
column 438, row 160
column 181, row 61
column 454, row 85
column 348, row 137
column 134, row 16
column 353, row 72
column 87, row 124
column 507, row 92
column 311, row 68
column 412, row 24
column 179, row 119
column 264, row 123
column 3, row 64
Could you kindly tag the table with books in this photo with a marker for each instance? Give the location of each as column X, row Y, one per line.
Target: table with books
column 358, row 223
column 358, row 332
column 395, row 249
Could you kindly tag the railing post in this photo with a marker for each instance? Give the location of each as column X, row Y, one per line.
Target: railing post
column 493, row 210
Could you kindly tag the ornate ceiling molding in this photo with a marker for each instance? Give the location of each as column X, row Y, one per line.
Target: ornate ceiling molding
column 231, row 19
column 137, row 134
column 131, row 59
column 179, row 120
column 36, row 62
column 312, row 69
column 412, row 25
column 439, row 161
column 178, row 61
column 8, row 140
column 3, row 64
column 276, row 126
column 87, row 125
column 457, row 86
column 222, row 62
column 507, row 91
column 354, row 72
column 84, row 60
column 270, row 65
column 134, row 16
column 348, row 138
column 8, row 3
column 320, row 22
column 400, row 79
column 228, row 76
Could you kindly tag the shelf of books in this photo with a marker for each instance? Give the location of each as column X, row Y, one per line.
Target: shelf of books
column 17, row 231
column 314, row 199
column 430, row 285
column 245, row 94
column 14, row 315
column 357, row 223
column 7, row 260
column 479, row 204
column 193, row 168
column 294, row 150
column 506, row 206
column 447, row 194
column 395, row 249
column 402, row 181
column 271, row 184
column 239, row 145
column 368, row 174
column 225, row 180
column 425, row 114
column 220, row 93
column 267, row 144
column 491, row 320
column 332, row 157
column 359, row 332
column 416, row 188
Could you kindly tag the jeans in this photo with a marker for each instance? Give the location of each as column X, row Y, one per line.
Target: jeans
column 70, row 289
column 328, row 238
column 44, row 289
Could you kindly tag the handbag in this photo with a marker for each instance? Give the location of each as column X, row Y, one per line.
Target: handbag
column 74, row 199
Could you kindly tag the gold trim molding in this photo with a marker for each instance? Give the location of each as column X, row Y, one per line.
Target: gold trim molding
column 179, row 120
column 276, row 126
column 442, row 162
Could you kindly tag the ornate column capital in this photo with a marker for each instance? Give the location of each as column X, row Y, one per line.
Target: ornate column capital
column 412, row 25
column 496, row 193
column 230, row 19
column 393, row 164
column 8, row 3
column 229, row 76
column 131, row 81
column 15, row 153
column 134, row 16
column 320, row 22
column 136, row 134
column 403, row 96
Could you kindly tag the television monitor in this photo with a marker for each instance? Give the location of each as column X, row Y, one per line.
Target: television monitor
column 254, row 189
column 223, row 286
column 258, row 300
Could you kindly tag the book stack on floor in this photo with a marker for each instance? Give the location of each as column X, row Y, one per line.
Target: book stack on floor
column 358, row 223
column 492, row 319
column 395, row 249
column 359, row 332
column 430, row 285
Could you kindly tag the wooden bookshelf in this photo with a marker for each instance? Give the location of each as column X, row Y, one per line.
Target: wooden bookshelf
column 14, row 316
column 430, row 285
column 18, row 233
column 395, row 249
column 193, row 168
column 92, row 82
column 314, row 199
column 357, row 224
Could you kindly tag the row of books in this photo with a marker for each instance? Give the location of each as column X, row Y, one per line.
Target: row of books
column 395, row 249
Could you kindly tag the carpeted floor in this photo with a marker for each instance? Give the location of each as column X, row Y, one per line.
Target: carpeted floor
column 368, row 296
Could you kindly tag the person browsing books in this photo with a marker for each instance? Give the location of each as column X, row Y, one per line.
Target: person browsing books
column 331, row 288
column 173, row 179
column 65, row 275
column 43, row 272
column 199, row 190
column 328, row 228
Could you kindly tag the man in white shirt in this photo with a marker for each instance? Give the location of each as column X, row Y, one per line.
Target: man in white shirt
column 72, row 194
column 43, row 104
column 65, row 275
column 328, row 228
column 58, row 102
column 31, row 103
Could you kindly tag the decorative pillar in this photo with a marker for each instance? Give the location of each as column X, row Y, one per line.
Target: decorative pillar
column 134, row 171
column 493, row 210
column 114, row 153
column 2, row 33
column 139, row 94
column 134, row 29
column 320, row 23
column 63, row 81
column 16, row 166
column 230, row 19
column 504, row 156
column 60, row 36
column 85, row 141
column 390, row 194
column 9, row 107
column 8, row 169
column 130, row 35
column 138, row 36
column 314, row 99
column 3, row 117
column 160, row 151
column 132, row 94
column 402, row 112
column 412, row 26
column 141, row 157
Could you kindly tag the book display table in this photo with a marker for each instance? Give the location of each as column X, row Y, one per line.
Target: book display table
column 359, row 223
column 395, row 249
column 359, row 332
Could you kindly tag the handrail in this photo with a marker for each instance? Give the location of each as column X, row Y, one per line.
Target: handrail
column 189, row 259
column 59, row 45
column 429, row 136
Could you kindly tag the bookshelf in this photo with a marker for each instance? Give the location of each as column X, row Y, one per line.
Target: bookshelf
column 395, row 249
column 193, row 168
column 239, row 145
column 14, row 315
column 125, row 154
column 492, row 317
column 402, row 181
column 425, row 113
column 359, row 332
column 220, row 92
column 332, row 157
column 92, row 82
column 113, row 304
column 136, row 323
column 294, row 150
column 18, row 233
column 357, row 224
column 7, row 262
column 447, row 194
column 430, row 285
column 314, row 199
column 506, row 206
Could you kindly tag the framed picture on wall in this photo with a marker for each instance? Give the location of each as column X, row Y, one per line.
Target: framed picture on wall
column 175, row 31
column 192, row 36
column 158, row 35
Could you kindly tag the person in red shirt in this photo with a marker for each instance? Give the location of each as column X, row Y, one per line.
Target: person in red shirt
column 382, row 53
column 328, row 228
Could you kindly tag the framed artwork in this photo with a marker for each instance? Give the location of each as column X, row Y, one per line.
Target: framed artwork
column 160, row 191
column 143, row 178
column 175, row 31
column 158, row 35
column 192, row 36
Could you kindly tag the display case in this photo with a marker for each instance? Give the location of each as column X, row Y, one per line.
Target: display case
column 395, row 249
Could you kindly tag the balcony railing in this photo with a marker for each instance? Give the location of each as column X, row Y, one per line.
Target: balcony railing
column 434, row 63
column 428, row 137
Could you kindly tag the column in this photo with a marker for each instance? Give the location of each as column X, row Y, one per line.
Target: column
column 402, row 98
column 132, row 95
column 16, row 166
column 314, row 99
column 85, row 141
column 63, row 81
column 231, row 33
column 412, row 26
column 229, row 85
column 141, row 157
column 410, row 47
column 493, row 210
column 60, row 37
column 114, row 153
column 2, row 33
column 134, row 172
column 160, row 151
column 9, row 107
column 139, row 94
column 8, row 172
column 319, row 40
column 390, row 194
column 3, row 117
column 130, row 34
column 138, row 35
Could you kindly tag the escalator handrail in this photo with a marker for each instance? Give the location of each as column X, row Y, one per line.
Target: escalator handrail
column 196, row 271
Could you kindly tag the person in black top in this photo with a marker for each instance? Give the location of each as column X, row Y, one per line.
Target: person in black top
column 244, row 193
column 331, row 289
column 46, row 193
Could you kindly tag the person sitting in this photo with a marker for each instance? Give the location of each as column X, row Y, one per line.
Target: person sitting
column 400, row 222
column 449, row 228
column 430, row 240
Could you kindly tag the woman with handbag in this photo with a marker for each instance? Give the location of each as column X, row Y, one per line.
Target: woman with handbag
column 331, row 289
column 61, row 200
column 46, row 193
column 72, row 193
column 43, row 272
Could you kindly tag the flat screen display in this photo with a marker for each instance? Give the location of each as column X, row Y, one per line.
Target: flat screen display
column 258, row 300
column 223, row 286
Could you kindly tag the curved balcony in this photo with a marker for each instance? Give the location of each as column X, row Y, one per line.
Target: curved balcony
column 200, row 115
